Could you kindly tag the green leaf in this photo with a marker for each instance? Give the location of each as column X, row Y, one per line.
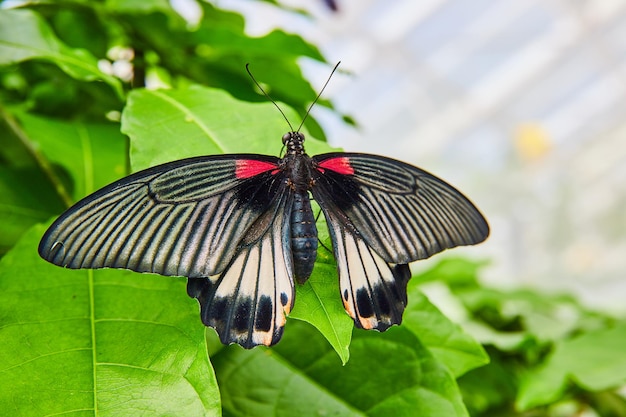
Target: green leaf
column 81, row 27
column 91, row 153
column 165, row 125
column 594, row 361
column 387, row 375
column 277, row 389
column 139, row 6
column 25, row 199
column 98, row 342
column 215, row 53
column 444, row 339
column 318, row 303
column 456, row 272
column 489, row 387
column 24, row 35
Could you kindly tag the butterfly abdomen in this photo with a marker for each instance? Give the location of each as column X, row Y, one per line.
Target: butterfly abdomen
column 303, row 237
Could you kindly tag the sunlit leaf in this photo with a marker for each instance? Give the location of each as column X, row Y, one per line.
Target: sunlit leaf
column 388, row 374
column 98, row 342
column 444, row 339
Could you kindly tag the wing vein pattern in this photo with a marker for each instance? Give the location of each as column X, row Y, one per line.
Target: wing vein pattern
column 248, row 303
column 383, row 214
column 183, row 218
column 402, row 212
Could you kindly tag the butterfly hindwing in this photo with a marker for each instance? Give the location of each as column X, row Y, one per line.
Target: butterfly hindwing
column 402, row 212
column 182, row 218
column 373, row 291
column 248, row 303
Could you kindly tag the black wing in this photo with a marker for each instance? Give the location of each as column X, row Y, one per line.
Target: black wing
column 383, row 214
column 402, row 212
column 222, row 217
column 183, row 218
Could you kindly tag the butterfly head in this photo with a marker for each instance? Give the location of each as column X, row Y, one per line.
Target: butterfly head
column 294, row 141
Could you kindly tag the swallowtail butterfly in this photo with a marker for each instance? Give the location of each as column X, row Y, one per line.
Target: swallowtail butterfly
column 241, row 228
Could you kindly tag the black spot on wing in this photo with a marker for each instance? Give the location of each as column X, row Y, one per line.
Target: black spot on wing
column 212, row 309
column 382, row 301
column 391, row 297
column 364, row 303
column 284, row 299
column 263, row 320
column 214, row 313
column 241, row 321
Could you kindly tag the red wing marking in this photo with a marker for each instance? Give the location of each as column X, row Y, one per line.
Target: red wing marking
column 340, row 165
column 246, row 168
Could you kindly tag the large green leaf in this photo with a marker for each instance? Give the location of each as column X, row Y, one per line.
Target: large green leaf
column 388, row 374
column 104, row 343
column 319, row 303
column 165, row 125
column 24, row 35
column 444, row 339
column 594, row 361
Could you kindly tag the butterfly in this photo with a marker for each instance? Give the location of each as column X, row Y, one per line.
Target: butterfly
column 241, row 228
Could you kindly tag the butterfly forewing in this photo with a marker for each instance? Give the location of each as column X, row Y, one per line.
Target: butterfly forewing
column 181, row 218
column 402, row 212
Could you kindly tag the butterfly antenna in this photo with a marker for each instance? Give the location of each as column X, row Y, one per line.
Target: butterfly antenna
column 268, row 96
column 318, row 96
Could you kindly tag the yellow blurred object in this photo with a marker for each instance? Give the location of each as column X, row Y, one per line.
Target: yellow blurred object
column 532, row 141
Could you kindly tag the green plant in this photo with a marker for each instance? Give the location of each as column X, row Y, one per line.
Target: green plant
column 111, row 342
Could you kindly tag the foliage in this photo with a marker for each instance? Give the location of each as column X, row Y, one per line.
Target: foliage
column 111, row 342
column 549, row 355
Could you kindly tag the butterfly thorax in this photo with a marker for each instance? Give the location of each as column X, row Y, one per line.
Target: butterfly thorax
column 296, row 164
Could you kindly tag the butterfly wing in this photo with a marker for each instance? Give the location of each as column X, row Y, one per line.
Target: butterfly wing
column 183, row 218
column 248, row 303
column 383, row 214
column 373, row 291
column 222, row 217
column 402, row 212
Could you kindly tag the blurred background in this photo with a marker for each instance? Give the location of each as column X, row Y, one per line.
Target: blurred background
column 521, row 105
